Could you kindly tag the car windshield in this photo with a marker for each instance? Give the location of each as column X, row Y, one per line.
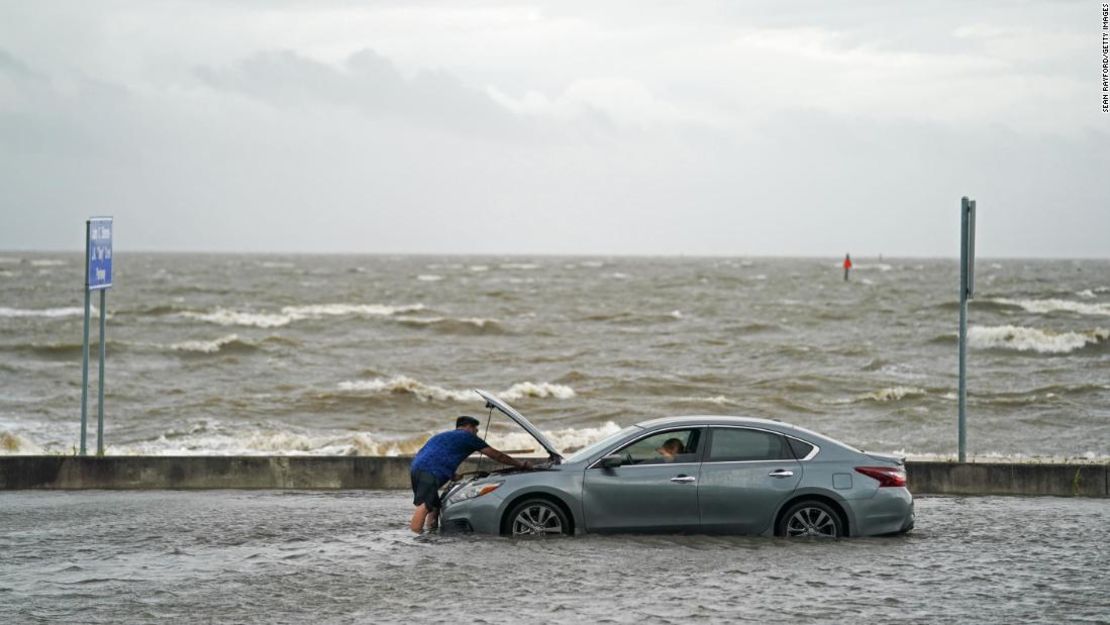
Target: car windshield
column 593, row 448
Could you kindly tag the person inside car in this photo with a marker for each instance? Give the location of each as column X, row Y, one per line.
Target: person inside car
column 670, row 449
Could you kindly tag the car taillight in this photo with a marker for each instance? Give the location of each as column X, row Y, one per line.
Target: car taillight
column 887, row 476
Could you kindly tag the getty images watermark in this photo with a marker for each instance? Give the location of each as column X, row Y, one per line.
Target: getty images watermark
column 1105, row 57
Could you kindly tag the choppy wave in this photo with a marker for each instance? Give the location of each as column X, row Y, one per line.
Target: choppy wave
column 231, row 342
column 66, row 350
column 68, row 311
column 893, row 393
column 289, row 314
column 11, row 443
column 209, row 437
column 757, row 328
column 1099, row 457
column 542, row 390
column 717, row 400
column 151, row 311
column 1024, row 339
column 446, row 325
column 404, row 385
column 635, row 318
column 883, row 395
column 1045, row 306
column 429, row 277
column 48, row 262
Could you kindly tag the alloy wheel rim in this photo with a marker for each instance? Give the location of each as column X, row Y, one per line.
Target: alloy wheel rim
column 811, row 522
column 537, row 520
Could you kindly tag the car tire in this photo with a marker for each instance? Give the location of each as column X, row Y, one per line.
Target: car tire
column 536, row 517
column 810, row 518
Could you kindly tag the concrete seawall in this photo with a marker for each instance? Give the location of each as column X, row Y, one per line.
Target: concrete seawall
column 362, row 472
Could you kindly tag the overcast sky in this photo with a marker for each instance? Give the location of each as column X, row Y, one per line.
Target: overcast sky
column 595, row 127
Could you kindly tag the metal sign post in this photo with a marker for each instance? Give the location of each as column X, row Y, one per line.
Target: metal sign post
column 98, row 277
column 967, row 289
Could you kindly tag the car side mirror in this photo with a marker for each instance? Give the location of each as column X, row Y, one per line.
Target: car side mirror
column 612, row 462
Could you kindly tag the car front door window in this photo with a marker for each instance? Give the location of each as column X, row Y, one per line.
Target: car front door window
column 674, row 446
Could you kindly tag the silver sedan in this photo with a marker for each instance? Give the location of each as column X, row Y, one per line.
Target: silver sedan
column 709, row 474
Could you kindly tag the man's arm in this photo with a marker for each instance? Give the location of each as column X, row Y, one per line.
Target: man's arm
column 504, row 458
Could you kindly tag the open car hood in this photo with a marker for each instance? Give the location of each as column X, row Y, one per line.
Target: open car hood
column 507, row 410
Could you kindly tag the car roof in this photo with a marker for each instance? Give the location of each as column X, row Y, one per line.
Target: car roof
column 777, row 426
column 713, row 420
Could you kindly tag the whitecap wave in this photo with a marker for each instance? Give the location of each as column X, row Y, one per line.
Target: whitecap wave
column 213, row 438
column 445, row 325
column 14, row 444
column 477, row 322
column 1024, row 339
column 892, row 393
column 542, row 390
column 205, row 347
column 72, row 311
column 404, row 385
column 290, row 314
column 520, row 266
column 1044, row 306
column 718, row 400
column 48, row 262
column 225, row 317
column 429, row 277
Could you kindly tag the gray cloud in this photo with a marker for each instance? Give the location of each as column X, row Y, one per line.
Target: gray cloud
column 298, row 147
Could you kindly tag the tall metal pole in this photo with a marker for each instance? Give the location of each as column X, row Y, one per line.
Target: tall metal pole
column 85, row 347
column 100, row 377
column 964, row 249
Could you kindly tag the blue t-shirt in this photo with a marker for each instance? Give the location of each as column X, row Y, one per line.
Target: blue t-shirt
column 444, row 452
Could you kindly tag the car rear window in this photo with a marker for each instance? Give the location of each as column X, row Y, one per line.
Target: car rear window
column 735, row 444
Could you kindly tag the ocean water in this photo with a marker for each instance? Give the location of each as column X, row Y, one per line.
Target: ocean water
column 331, row 354
column 347, row 557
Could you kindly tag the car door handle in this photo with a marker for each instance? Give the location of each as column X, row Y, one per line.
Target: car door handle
column 684, row 479
column 781, row 473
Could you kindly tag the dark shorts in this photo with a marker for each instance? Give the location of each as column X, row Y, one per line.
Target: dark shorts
column 425, row 489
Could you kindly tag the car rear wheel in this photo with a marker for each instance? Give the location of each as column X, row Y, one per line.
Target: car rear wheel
column 811, row 518
column 536, row 517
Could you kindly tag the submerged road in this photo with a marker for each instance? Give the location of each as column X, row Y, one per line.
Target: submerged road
column 345, row 557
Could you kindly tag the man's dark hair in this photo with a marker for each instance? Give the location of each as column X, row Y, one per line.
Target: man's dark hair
column 465, row 421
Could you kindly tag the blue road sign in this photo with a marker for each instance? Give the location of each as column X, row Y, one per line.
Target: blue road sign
column 98, row 248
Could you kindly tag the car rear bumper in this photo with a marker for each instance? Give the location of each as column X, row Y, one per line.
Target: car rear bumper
column 890, row 511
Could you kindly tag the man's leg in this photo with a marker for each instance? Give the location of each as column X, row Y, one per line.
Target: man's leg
column 418, row 517
column 433, row 520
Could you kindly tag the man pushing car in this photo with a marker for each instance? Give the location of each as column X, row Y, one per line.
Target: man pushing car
column 436, row 462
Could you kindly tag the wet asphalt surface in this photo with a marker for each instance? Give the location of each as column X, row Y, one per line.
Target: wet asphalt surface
column 347, row 557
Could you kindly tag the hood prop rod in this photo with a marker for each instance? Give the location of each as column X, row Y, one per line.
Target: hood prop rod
column 489, row 418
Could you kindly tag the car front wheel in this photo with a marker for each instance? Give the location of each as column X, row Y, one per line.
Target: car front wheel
column 810, row 518
column 536, row 517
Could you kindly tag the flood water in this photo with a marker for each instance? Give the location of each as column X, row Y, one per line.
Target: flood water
column 346, row 557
